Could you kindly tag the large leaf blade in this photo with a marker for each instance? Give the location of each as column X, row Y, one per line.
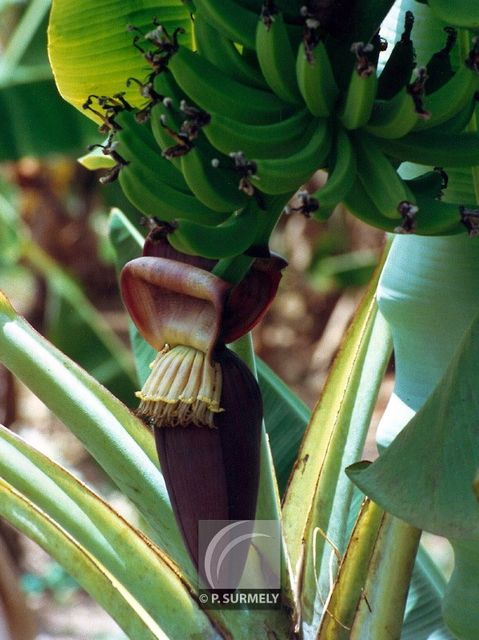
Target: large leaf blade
column 426, row 475
column 23, row 515
column 91, row 50
column 126, row 554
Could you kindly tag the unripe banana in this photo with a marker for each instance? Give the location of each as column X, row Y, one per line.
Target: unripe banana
column 152, row 183
column 155, row 198
column 315, row 78
column 230, row 18
column 430, row 184
column 385, row 187
column 393, row 118
column 342, row 174
column 276, row 140
column 231, row 238
column 213, row 184
column 167, row 112
column 361, row 92
column 455, row 95
column 275, row 54
column 434, row 148
column 214, row 91
column 280, row 175
column 459, row 122
column 213, row 46
column 435, row 217
column 136, row 144
column 360, row 204
column 398, row 69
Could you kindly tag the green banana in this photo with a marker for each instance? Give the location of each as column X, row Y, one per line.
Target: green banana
column 231, row 19
column 439, row 68
column 136, row 144
column 259, row 141
column 342, row 174
column 280, row 175
column 435, row 217
column 459, row 122
column 393, row 118
column 215, row 186
column 231, row 238
column 213, row 46
column 361, row 91
column 360, row 204
column 461, row 13
column 168, row 112
column 432, row 218
column 213, row 90
column 434, row 148
column 385, row 187
column 315, row 78
column 275, row 54
column 398, row 69
column 453, row 96
column 161, row 200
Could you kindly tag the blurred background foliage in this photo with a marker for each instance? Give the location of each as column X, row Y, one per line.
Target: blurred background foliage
column 58, row 268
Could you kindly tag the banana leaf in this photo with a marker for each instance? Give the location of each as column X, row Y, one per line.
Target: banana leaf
column 91, row 49
column 35, row 120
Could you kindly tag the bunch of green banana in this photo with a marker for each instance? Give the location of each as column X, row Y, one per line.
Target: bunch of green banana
column 268, row 98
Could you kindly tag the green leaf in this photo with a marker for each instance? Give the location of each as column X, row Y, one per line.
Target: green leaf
column 364, row 601
column 23, row 515
column 426, row 475
column 318, row 497
column 286, row 418
column 136, row 564
column 119, row 442
column 91, row 50
column 423, row 619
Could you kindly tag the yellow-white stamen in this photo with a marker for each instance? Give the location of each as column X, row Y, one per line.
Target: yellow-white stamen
column 183, row 388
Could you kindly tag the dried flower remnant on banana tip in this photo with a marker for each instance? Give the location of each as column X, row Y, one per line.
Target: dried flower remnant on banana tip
column 202, row 401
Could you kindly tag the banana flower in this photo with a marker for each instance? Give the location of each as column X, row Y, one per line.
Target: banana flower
column 201, row 400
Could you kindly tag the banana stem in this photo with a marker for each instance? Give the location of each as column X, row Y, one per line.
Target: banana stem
column 235, row 268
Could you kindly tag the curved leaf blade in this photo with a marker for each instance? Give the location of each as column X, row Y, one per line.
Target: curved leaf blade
column 426, row 475
column 125, row 553
column 35, row 524
column 91, row 50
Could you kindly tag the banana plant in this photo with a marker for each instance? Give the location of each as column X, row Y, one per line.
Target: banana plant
column 214, row 115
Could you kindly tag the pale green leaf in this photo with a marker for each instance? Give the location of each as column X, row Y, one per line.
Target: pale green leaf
column 286, row 417
column 124, row 552
column 35, row 524
column 364, row 601
column 318, row 497
column 331, row 419
column 426, row 475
